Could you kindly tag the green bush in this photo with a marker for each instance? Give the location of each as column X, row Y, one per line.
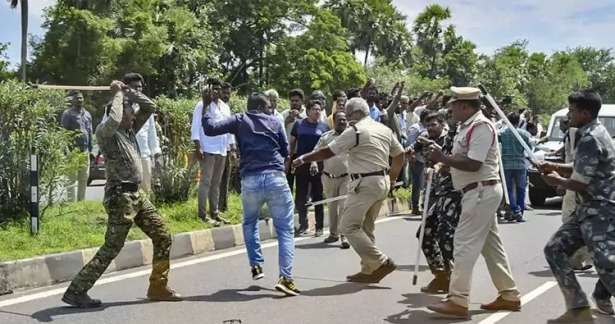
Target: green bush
column 29, row 122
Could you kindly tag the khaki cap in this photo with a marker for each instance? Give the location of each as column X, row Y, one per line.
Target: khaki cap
column 464, row 93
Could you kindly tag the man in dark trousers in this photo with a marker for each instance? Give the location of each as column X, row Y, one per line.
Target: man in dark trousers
column 304, row 136
column 592, row 177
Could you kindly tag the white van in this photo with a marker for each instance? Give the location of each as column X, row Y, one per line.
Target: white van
column 539, row 190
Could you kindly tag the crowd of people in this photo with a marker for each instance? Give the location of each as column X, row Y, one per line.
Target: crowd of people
column 357, row 147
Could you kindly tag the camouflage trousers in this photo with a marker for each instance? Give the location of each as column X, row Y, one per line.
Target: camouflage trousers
column 442, row 219
column 124, row 209
column 597, row 233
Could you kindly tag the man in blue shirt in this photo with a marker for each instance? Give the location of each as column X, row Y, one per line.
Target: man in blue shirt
column 515, row 168
column 303, row 138
column 372, row 98
column 263, row 149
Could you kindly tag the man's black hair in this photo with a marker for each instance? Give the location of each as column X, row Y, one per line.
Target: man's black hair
column 132, row 77
column 424, row 115
column 588, row 100
column 434, row 115
column 514, row 118
column 341, row 111
column 296, row 92
column 338, row 93
column 214, row 82
column 353, row 93
column 257, row 101
column 313, row 103
column 73, row 93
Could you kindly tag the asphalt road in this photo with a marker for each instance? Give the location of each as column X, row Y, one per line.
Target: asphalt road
column 218, row 287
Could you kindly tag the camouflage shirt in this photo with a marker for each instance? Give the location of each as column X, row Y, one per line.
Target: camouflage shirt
column 594, row 165
column 122, row 158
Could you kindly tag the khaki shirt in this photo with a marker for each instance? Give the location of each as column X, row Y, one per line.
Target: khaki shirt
column 482, row 146
column 376, row 143
column 338, row 164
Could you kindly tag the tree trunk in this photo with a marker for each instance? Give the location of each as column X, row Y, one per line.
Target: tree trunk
column 366, row 55
column 24, row 38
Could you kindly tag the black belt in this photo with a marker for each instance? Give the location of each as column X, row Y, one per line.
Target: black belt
column 355, row 176
column 343, row 175
column 474, row 185
column 129, row 187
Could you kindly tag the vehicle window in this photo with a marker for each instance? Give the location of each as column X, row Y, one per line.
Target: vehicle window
column 558, row 135
column 609, row 123
column 556, row 132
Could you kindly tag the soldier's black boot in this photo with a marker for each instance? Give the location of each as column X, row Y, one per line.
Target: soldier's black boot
column 439, row 285
column 80, row 300
column 158, row 292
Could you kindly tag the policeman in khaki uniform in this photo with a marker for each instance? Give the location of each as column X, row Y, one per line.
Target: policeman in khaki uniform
column 475, row 172
column 124, row 201
column 368, row 145
column 335, row 178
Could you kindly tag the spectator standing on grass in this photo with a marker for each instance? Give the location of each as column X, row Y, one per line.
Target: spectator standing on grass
column 211, row 152
column 77, row 119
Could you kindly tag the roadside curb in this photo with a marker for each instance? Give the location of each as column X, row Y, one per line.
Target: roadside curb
column 51, row 269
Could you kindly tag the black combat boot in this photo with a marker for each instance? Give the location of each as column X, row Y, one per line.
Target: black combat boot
column 80, row 300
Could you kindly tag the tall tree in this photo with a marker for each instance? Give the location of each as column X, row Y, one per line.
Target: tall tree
column 374, row 26
column 429, row 36
column 24, row 34
column 320, row 58
column 89, row 42
column 244, row 29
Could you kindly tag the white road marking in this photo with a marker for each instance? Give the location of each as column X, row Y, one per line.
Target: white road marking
column 139, row 273
column 494, row 318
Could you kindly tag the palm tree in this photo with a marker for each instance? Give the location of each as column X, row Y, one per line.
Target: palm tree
column 24, row 34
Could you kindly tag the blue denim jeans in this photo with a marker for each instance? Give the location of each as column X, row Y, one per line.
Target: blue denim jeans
column 516, row 181
column 269, row 188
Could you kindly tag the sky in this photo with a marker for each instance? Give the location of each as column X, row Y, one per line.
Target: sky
column 548, row 25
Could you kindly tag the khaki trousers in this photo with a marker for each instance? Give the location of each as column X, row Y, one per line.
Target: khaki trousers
column 333, row 188
column 78, row 182
column 477, row 233
column 365, row 197
column 146, row 179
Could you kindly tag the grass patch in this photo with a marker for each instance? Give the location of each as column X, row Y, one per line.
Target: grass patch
column 402, row 193
column 83, row 225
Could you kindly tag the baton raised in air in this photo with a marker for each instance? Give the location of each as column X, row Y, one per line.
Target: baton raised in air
column 497, row 109
column 70, row 87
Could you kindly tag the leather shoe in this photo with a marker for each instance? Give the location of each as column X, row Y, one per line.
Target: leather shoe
column 162, row 293
column 502, row 304
column 359, row 277
column 451, row 309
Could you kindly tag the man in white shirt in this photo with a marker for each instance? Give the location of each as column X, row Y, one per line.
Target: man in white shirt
column 211, row 151
column 149, row 148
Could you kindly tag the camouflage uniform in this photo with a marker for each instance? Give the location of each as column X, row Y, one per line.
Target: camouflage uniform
column 123, row 201
column 594, row 219
column 443, row 215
